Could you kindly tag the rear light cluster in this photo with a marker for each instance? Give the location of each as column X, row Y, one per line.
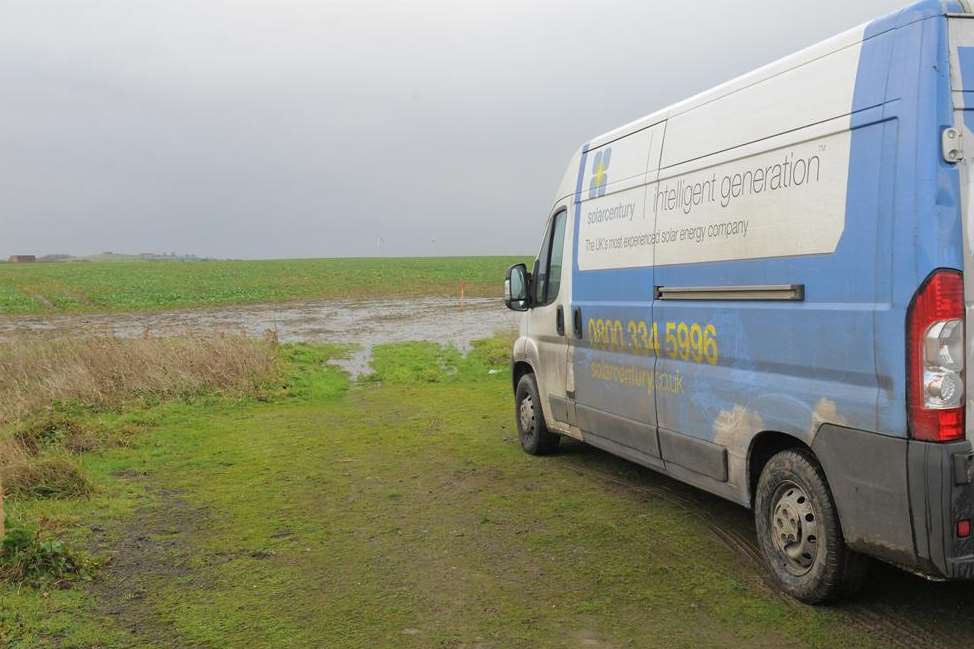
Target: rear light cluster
column 935, row 348
column 964, row 529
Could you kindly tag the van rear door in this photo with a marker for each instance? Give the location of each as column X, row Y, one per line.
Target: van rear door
column 958, row 148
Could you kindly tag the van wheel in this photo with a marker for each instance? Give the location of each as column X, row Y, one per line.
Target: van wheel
column 799, row 532
column 536, row 439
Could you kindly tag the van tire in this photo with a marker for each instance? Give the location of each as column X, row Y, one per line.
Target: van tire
column 535, row 437
column 799, row 532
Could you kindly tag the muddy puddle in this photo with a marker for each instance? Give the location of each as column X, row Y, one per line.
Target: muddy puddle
column 364, row 323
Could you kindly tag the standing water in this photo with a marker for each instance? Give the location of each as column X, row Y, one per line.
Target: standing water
column 365, row 323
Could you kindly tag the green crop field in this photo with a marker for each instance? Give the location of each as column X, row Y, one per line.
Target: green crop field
column 148, row 286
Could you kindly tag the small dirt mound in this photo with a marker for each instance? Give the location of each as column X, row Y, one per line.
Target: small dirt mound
column 52, row 430
column 47, row 477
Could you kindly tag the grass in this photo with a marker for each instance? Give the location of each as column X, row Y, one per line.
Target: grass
column 26, row 557
column 45, row 477
column 400, row 512
column 55, row 429
column 46, row 382
column 38, row 371
column 152, row 286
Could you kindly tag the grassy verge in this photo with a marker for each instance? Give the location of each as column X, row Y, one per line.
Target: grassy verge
column 397, row 512
column 37, row 372
column 51, row 390
column 148, row 286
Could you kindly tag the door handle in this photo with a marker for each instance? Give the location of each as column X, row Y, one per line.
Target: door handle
column 560, row 320
column 577, row 321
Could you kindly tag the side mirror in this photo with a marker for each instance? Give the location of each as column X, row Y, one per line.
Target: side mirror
column 517, row 295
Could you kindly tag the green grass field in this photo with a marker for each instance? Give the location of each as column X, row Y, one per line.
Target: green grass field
column 400, row 512
column 148, row 286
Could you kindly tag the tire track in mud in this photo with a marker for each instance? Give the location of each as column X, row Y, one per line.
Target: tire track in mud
column 882, row 623
column 150, row 548
column 890, row 623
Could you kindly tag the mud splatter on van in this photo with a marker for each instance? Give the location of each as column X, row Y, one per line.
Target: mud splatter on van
column 734, row 429
column 826, row 412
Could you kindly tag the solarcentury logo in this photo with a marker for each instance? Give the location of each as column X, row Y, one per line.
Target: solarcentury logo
column 620, row 212
column 600, row 172
column 596, row 189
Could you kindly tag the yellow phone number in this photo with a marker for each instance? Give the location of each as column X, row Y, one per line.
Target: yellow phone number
column 689, row 342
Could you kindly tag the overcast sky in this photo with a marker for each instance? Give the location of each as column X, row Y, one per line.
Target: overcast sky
column 293, row 128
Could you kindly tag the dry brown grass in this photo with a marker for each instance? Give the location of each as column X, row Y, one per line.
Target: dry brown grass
column 54, row 476
column 38, row 371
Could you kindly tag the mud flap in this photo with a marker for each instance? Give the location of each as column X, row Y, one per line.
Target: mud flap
column 867, row 474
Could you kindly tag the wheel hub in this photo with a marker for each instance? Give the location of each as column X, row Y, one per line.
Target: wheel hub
column 794, row 528
column 526, row 411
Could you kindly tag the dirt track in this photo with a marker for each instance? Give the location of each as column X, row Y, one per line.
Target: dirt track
column 901, row 609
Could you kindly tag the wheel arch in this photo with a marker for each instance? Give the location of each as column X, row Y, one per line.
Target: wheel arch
column 763, row 447
column 519, row 369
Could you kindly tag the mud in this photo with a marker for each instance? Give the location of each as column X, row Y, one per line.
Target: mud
column 364, row 323
column 152, row 549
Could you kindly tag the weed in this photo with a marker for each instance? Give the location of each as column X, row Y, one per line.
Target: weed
column 495, row 352
column 57, row 430
column 51, row 429
column 26, row 557
column 11, row 452
column 53, row 476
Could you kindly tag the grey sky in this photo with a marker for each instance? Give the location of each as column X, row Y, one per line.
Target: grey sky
column 285, row 128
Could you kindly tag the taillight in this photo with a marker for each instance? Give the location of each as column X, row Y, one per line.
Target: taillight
column 935, row 348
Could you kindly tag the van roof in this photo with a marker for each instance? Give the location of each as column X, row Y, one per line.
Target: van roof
column 913, row 13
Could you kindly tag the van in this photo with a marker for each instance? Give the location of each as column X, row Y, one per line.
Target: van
column 760, row 291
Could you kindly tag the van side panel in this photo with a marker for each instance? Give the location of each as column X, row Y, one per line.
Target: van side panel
column 781, row 365
column 814, row 92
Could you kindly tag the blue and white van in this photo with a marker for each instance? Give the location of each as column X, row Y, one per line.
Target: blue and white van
column 761, row 291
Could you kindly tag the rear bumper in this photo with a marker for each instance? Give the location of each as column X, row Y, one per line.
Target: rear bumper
column 941, row 493
column 899, row 500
